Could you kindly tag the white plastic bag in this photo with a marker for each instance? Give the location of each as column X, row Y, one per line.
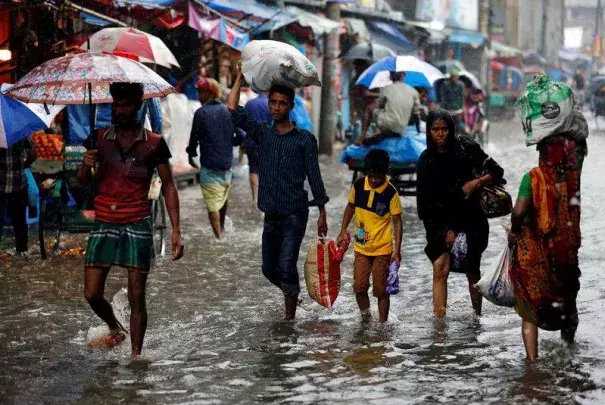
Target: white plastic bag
column 497, row 285
column 268, row 63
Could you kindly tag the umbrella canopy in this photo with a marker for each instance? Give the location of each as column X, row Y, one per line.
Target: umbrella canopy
column 19, row 120
column 148, row 48
column 367, row 51
column 470, row 80
column 418, row 72
column 84, row 79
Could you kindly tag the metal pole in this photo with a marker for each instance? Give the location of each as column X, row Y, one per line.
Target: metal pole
column 327, row 118
column 544, row 30
column 597, row 37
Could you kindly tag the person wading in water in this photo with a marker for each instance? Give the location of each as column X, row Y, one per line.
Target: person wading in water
column 288, row 156
column 124, row 157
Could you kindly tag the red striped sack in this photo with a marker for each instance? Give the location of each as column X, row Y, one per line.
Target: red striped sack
column 322, row 270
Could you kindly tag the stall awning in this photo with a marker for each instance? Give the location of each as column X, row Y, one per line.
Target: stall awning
column 388, row 35
column 436, row 34
column 320, row 25
column 218, row 29
column 258, row 17
column 359, row 28
column 466, row 37
column 92, row 20
column 505, row 50
column 148, row 4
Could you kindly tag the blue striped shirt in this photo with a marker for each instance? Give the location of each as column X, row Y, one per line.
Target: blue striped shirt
column 286, row 160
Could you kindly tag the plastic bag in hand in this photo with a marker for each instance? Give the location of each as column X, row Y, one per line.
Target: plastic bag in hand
column 393, row 279
column 459, row 252
column 497, row 285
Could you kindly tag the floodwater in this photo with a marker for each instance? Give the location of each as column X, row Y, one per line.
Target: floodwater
column 215, row 335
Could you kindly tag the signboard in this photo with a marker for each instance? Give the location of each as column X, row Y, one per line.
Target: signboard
column 497, row 26
column 462, row 14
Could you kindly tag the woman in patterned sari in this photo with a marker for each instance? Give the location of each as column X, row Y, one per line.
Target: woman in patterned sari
column 545, row 236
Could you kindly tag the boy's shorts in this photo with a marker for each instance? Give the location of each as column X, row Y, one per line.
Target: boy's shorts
column 377, row 267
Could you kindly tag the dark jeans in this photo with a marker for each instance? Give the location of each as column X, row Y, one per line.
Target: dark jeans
column 282, row 237
column 16, row 205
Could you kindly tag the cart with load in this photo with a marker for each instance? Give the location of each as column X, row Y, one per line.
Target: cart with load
column 404, row 153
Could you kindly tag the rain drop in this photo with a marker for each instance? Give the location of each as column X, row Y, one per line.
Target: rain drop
column 574, row 201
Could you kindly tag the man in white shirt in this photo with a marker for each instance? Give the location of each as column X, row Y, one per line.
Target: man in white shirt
column 396, row 105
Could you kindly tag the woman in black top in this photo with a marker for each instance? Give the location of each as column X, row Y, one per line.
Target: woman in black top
column 450, row 172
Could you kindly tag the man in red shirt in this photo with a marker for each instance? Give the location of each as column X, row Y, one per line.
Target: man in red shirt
column 124, row 158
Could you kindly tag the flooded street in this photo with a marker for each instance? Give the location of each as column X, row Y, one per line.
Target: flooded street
column 215, row 335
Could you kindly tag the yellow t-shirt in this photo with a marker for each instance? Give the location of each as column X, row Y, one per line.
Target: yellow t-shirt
column 374, row 209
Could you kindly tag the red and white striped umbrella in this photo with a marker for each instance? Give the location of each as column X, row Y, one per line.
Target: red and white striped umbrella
column 148, row 48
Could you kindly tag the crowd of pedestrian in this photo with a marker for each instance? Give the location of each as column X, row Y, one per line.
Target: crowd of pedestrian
column 122, row 159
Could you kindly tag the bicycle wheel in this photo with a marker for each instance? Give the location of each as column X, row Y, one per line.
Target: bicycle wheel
column 158, row 217
column 49, row 230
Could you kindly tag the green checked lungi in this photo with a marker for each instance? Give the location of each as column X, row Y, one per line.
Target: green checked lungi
column 125, row 245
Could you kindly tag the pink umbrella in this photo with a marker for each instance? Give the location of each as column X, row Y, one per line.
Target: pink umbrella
column 148, row 48
column 84, row 79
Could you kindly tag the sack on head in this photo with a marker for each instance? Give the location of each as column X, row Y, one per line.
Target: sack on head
column 547, row 108
column 268, row 63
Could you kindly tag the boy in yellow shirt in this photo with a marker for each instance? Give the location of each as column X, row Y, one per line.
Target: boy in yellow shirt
column 375, row 203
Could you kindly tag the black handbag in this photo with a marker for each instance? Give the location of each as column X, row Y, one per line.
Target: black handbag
column 495, row 201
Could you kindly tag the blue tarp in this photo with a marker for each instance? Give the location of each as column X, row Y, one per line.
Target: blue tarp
column 300, row 115
column 388, row 35
column 402, row 150
column 78, row 119
column 467, row 37
column 149, row 4
column 92, row 20
column 252, row 13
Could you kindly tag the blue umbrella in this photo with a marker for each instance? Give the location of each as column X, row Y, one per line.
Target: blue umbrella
column 19, row 120
column 418, row 73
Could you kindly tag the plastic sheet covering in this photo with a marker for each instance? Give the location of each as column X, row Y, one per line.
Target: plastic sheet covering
column 177, row 114
column 406, row 149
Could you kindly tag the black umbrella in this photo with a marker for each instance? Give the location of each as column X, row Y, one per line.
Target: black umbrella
column 370, row 51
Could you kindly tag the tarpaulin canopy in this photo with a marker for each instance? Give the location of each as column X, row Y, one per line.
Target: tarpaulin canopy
column 467, row 37
column 320, row 25
column 92, row 20
column 218, row 29
column 258, row 17
column 149, row 4
column 389, row 35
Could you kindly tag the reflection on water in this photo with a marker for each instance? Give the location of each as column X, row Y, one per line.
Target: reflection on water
column 215, row 334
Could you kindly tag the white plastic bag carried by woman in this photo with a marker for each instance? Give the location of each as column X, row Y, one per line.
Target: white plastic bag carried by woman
column 497, row 285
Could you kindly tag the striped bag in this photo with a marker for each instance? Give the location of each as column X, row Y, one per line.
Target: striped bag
column 322, row 270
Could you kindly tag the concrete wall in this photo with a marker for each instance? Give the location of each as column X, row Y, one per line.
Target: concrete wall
column 533, row 27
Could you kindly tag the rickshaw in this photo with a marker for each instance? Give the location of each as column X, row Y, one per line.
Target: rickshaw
column 507, row 84
column 404, row 151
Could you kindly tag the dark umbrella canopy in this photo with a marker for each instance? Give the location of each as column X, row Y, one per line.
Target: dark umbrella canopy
column 370, row 51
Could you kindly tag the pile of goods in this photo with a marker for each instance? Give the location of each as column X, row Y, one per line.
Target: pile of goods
column 48, row 146
column 74, row 155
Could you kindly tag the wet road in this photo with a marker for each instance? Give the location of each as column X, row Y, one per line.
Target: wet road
column 215, row 335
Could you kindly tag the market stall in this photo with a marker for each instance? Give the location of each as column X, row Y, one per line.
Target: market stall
column 65, row 205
